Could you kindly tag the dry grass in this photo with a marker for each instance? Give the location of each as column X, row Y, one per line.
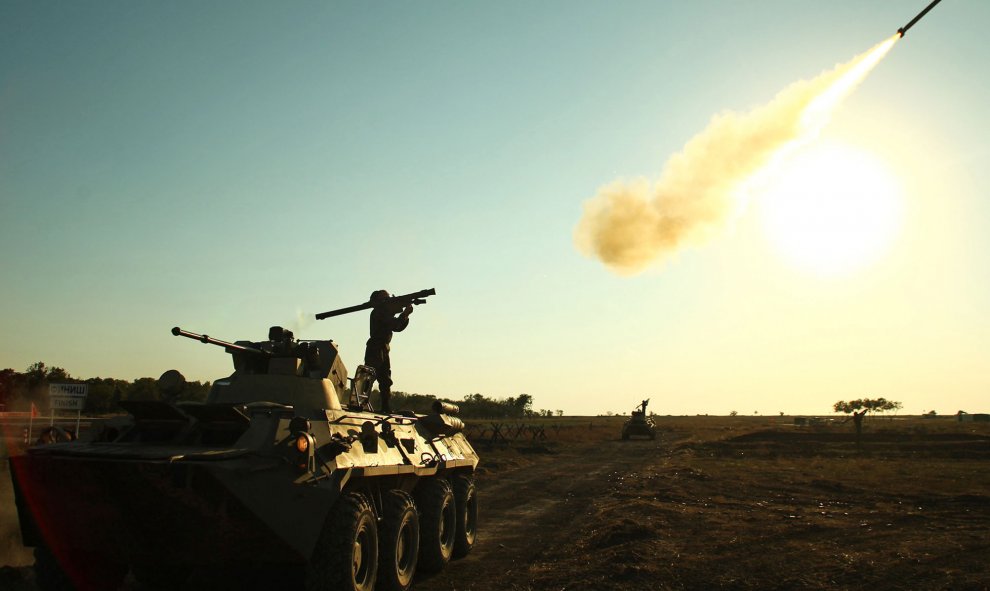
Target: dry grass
column 740, row 504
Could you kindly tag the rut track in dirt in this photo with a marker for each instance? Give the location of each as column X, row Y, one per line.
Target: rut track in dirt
column 529, row 509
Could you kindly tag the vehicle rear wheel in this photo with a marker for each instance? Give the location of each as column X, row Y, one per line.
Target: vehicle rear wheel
column 80, row 571
column 398, row 543
column 346, row 555
column 437, row 524
column 466, row 501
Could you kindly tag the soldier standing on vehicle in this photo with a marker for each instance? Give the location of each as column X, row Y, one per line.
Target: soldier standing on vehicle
column 858, row 422
column 386, row 318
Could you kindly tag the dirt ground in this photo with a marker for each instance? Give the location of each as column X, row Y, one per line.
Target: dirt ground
column 722, row 503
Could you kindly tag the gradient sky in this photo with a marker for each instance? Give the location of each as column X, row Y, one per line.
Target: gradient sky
column 228, row 166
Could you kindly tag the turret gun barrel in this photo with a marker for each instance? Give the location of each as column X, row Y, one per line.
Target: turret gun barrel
column 176, row 331
column 418, row 297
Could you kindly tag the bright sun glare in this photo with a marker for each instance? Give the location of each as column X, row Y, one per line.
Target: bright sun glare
column 831, row 209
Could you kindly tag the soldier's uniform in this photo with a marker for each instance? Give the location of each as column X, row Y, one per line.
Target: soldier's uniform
column 383, row 323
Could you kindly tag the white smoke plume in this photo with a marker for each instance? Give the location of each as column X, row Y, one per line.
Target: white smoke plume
column 632, row 225
column 301, row 322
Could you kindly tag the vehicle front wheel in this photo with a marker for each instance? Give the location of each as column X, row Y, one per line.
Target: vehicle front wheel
column 398, row 543
column 346, row 555
column 466, row 501
column 437, row 522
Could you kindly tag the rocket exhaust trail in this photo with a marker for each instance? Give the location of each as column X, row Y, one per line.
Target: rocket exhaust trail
column 631, row 225
column 905, row 28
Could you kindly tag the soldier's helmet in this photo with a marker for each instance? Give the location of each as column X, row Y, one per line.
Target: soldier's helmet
column 379, row 296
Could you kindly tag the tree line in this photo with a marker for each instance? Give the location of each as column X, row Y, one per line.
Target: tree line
column 18, row 390
column 473, row 406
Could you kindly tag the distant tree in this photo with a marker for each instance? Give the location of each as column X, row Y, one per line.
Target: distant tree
column 523, row 402
column 560, row 413
column 8, row 383
column 36, row 379
column 196, row 391
column 101, row 396
column 418, row 403
column 733, row 413
column 38, row 374
column 870, row 405
column 142, row 389
column 847, row 407
column 475, row 406
column 35, row 374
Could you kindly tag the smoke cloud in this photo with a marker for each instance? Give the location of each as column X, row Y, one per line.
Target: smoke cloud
column 630, row 225
column 301, row 322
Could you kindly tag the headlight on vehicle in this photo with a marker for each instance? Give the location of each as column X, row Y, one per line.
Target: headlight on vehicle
column 303, row 443
column 305, row 458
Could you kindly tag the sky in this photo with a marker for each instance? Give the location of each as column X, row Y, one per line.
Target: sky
column 229, row 166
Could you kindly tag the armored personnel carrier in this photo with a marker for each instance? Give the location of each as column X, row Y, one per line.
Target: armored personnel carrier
column 285, row 464
column 639, row 425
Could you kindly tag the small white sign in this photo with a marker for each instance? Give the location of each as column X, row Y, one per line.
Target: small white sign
column 65, row 390
column 67, row 402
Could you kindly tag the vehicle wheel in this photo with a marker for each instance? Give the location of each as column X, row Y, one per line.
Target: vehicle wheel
column 161, row 576
column 466, row 501
column 86, row 572
column 398, row 543
column 346, row 555
column 437, row 524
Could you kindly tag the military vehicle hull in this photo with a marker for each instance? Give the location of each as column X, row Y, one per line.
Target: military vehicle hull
column 153, row 505
column 272, row 470
column 144, row 511
column 639, row 426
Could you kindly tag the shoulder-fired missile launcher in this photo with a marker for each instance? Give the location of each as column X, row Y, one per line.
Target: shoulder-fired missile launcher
column 285, row 464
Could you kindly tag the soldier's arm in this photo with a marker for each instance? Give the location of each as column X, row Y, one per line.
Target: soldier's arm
column 400, row 322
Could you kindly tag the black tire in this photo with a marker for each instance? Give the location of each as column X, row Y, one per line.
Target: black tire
column 398, row 544
column 346, row 555
column 437, row 524
column 84, row 572
column 466, row 500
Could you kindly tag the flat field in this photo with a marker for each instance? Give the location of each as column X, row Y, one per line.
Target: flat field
column 735, row 503
column 714, row 503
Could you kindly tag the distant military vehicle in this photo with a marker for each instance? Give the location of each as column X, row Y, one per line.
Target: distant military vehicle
column 283, row 465
column 640, row 425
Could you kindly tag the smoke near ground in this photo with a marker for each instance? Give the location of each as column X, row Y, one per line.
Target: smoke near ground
column 631, row 225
